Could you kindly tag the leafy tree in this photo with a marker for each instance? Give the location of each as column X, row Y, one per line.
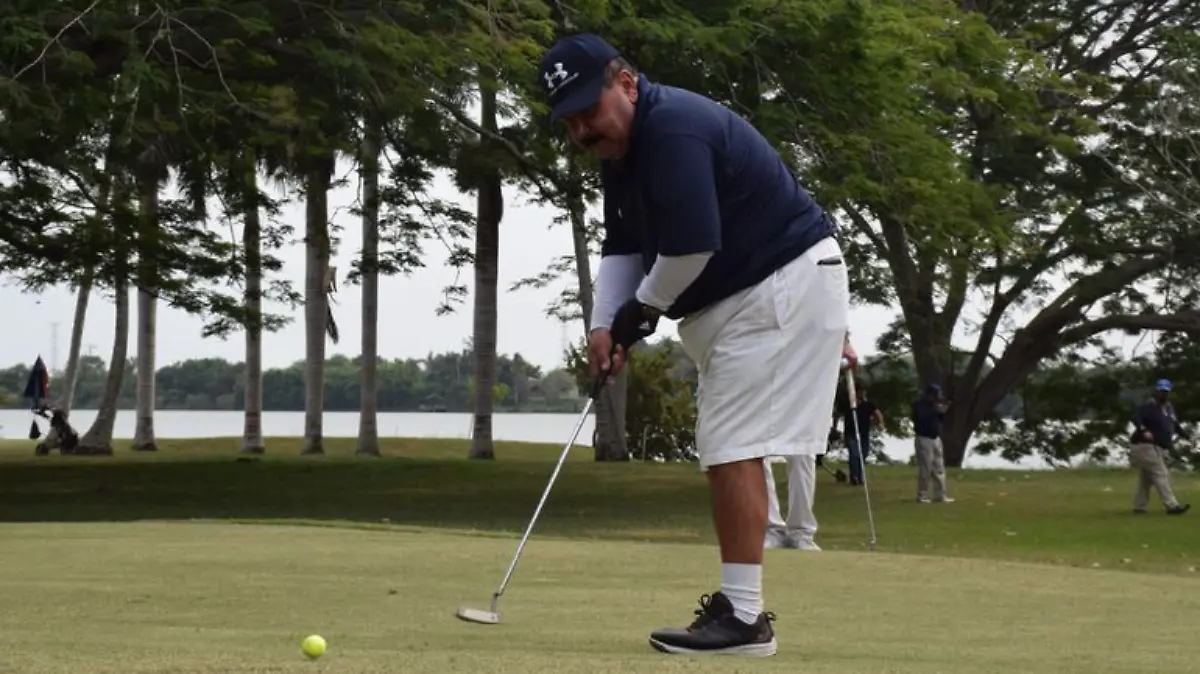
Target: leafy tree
column 1022, row 215
column 661, row 413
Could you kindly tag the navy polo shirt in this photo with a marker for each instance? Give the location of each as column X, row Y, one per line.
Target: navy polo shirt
column 927, row 419
column 697, row 178
column 1160, row 421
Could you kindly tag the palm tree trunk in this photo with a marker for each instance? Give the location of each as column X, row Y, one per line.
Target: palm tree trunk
column 252, row 432
column 111, row 191
column 316, row 302
column 609, row 440
column 368, row 423
column 490, row 210
column 83, row 295
column 71, row 375
column 576, row 209
column 98, row 438
column 610, row 436
column 143, row 434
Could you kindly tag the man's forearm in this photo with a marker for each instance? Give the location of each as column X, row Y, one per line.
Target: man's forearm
column 617, row 280
column 669, row 277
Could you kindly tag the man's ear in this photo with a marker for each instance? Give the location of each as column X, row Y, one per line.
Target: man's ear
column 629, row 84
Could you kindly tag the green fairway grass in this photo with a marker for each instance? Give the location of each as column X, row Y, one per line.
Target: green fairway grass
column 194, row 559
column 186, row 598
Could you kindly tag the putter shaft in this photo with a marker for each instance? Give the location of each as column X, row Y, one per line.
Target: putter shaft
column 862, row 460
column 587, row 408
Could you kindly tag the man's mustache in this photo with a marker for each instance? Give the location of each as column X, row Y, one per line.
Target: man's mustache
column 589, row 141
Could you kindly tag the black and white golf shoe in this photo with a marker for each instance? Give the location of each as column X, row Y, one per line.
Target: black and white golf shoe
column 717, row 631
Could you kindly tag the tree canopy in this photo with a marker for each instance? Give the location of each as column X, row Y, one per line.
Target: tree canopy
column 1021, row 175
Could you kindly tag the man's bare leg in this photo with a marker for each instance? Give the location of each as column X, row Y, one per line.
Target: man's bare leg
column 732, row 621
column 739, row 503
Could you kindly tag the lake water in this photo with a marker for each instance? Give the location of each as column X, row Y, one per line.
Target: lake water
column 550, row 428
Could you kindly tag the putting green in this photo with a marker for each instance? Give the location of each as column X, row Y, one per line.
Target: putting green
column 192, row 597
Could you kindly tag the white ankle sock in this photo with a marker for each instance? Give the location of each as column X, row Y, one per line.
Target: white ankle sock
column 742, row 584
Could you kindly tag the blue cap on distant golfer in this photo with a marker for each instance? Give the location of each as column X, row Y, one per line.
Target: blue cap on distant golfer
column 1162, row 385
column 933, row 389
column 572, row 73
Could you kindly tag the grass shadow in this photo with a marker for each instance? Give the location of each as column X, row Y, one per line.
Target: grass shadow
column 1078, row 517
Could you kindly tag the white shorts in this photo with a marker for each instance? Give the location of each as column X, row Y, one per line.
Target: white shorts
column 768, row 360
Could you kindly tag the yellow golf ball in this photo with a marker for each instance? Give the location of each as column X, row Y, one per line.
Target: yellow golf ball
column 313, row 646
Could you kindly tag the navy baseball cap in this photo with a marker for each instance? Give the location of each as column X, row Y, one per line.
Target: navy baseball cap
column 1162, row 385
column 572, row 73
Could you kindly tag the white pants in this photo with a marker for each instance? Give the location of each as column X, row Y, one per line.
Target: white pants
column 768, row 359
column 802, row 486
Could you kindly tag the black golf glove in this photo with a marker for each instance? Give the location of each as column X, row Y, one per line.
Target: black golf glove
column 633, row 323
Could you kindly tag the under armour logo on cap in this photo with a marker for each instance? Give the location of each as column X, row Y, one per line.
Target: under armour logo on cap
column 558, row 78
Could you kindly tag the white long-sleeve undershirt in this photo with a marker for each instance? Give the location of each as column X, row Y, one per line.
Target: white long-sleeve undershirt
column 617, row 280
column 620, row 278
column 669, row 277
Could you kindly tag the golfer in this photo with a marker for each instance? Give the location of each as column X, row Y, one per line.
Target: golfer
column 1155, row 427
column 860, row 417
column 928, row 413
column 705, row 224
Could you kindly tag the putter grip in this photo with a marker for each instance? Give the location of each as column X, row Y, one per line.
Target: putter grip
column 598, row 384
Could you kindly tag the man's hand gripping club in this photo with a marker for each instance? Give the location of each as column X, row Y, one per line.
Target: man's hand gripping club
column 608, row 347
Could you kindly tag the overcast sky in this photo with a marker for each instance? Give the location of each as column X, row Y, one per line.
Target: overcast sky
column 408, row 326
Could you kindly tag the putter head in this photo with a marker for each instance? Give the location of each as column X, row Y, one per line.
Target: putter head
column 478, row 615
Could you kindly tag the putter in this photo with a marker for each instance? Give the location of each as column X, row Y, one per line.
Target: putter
column 492, row 616
column 862, row 459
column 838, row 476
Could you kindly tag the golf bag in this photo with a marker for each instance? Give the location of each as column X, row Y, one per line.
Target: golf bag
column 830, row 447
column 61, row 436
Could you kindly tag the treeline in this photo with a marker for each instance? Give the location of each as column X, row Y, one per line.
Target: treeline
column 437, row 383
column 1068, row 408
